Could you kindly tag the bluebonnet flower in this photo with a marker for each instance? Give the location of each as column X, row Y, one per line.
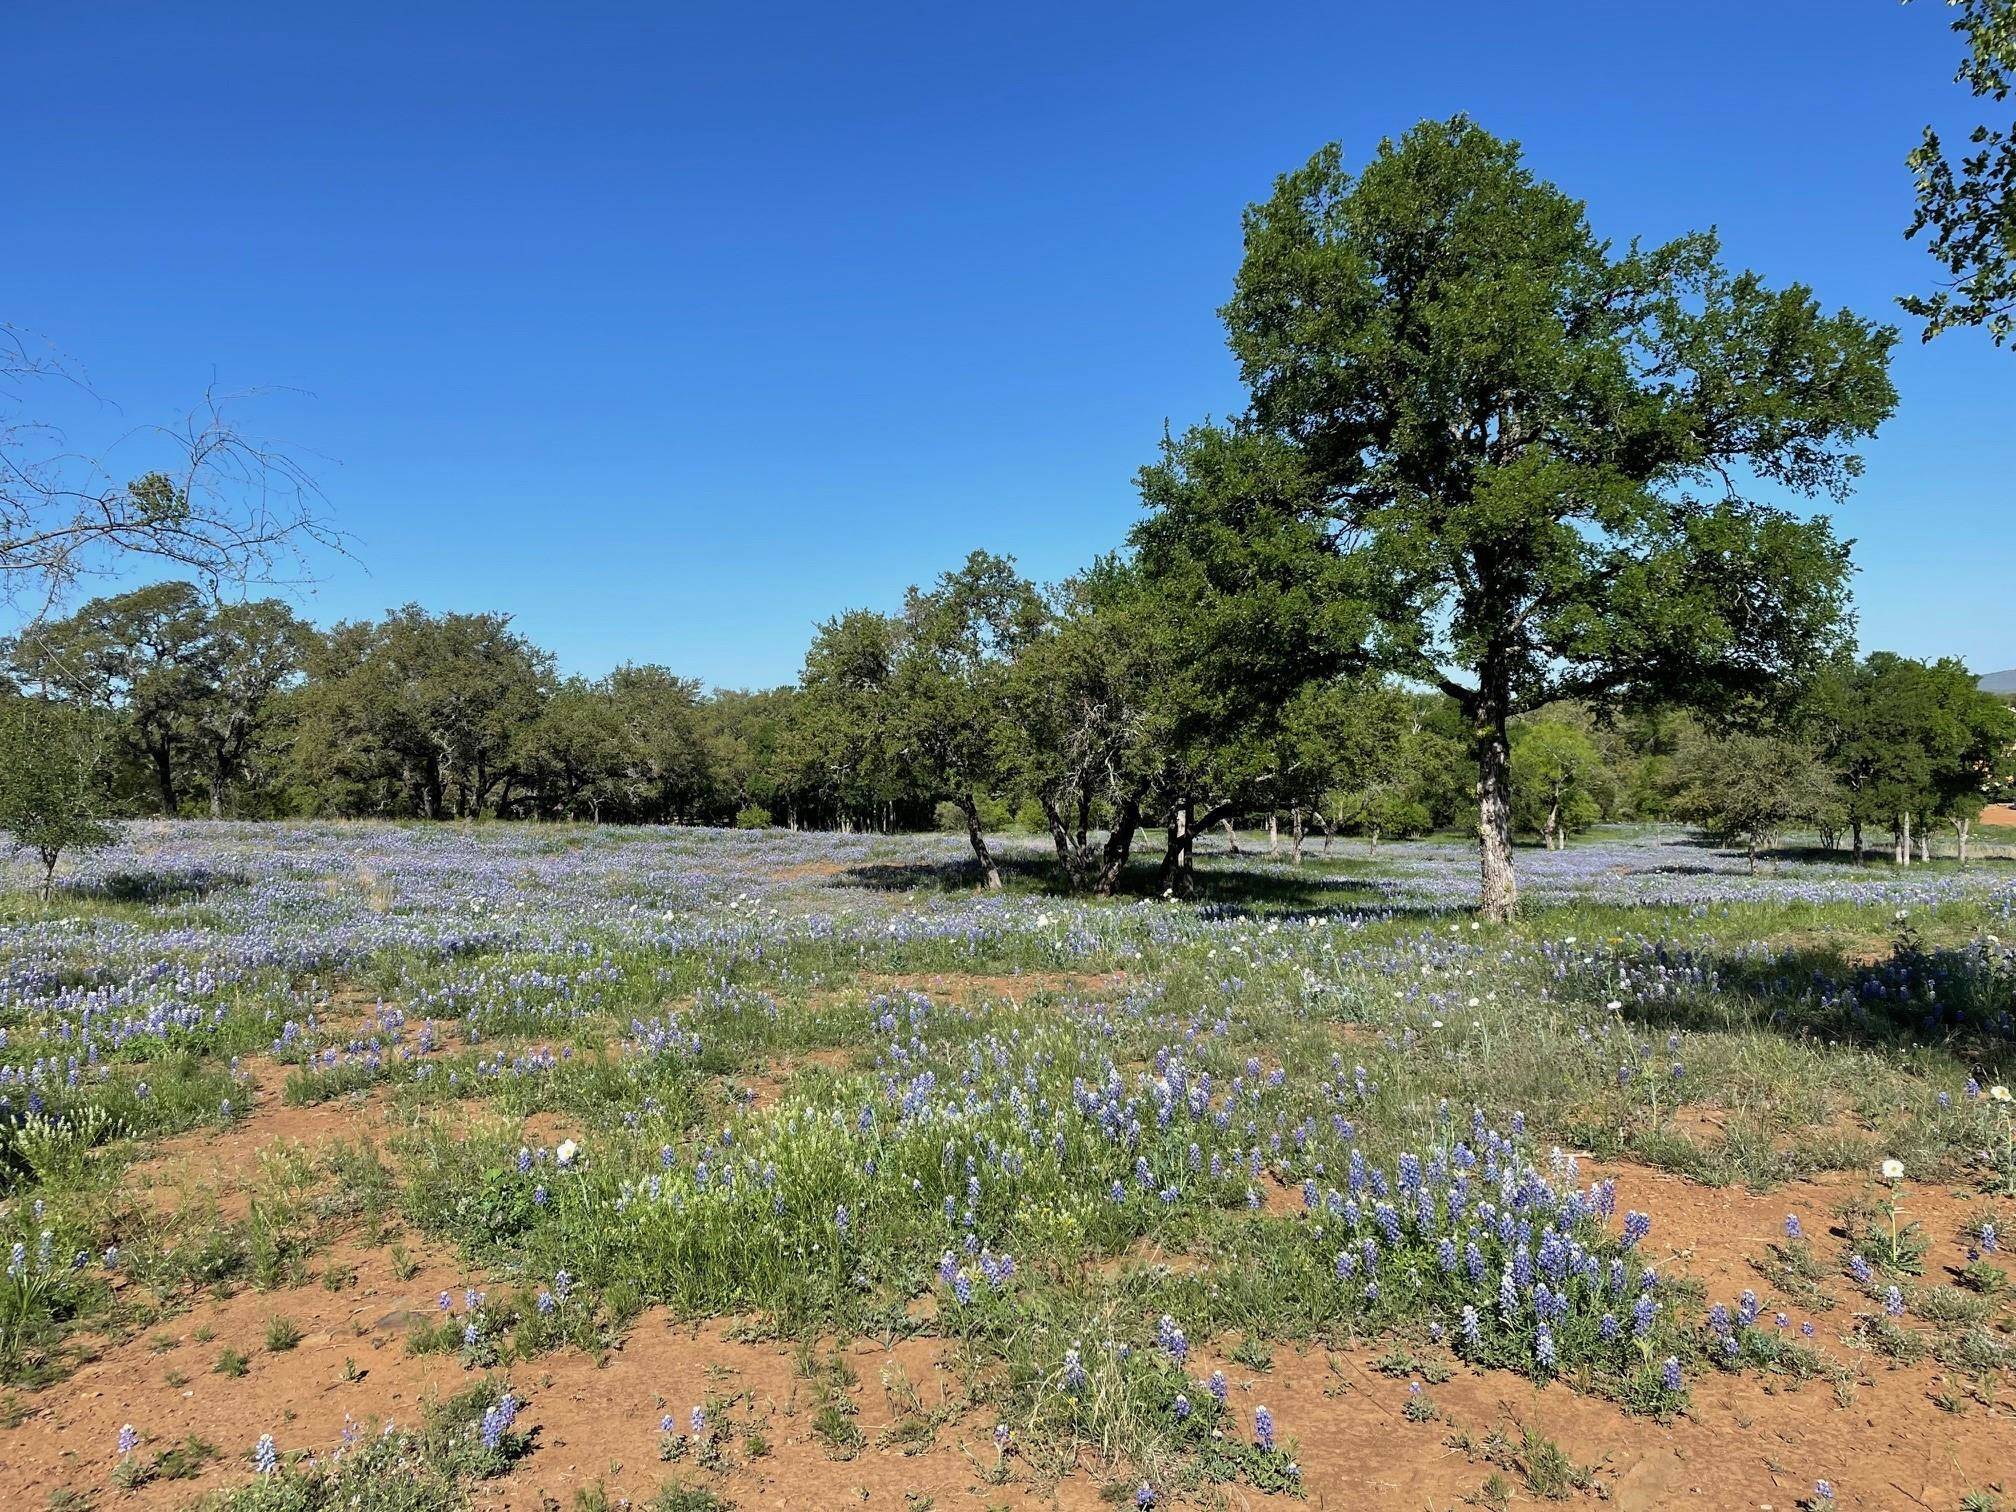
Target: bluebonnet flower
column 1074, row 1369
column 1263, row 1428
column 1669, row 1374
column 1182, row 1406
column 497, row 1420
column 697, row 1419
column 1219, row 1387
column 1893, row 1302
column 1792, row 1228
column 1642, row 1313
column 265, row 1457
column 1543, row 1347
column 1859, row 1269
column 129, row 1439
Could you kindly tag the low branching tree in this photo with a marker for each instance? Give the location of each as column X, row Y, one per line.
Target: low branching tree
column 51, row 793
column 1748, row 789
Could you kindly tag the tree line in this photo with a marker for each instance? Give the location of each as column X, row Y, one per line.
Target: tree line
column 1502, row 495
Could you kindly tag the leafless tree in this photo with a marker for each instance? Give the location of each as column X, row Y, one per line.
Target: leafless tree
column 215, row 502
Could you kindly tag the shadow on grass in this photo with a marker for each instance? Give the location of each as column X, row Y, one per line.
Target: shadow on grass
column 1225, row 886
column 154, row 887
column 1960, row 997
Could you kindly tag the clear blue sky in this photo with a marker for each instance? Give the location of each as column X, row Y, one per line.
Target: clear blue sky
column 673, row 329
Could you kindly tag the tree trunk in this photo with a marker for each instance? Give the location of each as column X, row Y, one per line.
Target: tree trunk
column 1499, row 893
column 1273, row 834
column 1750, row 848
column 979, row 841
column 1961, row 827
column 1372, row 836
column 1176, row 879
column 1296, row 833
column 1553, row 826
column 1232, row 837
column 1072, row 854
column 1855, row 832
column 1119, row 845
column 164, row 780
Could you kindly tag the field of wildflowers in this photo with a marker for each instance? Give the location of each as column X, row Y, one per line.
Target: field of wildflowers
column 1284, row 1192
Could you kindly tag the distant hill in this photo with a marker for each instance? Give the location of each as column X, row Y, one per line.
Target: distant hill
column 1999, row 682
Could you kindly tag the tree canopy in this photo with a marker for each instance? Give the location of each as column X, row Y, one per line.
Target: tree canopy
column 1555, row 458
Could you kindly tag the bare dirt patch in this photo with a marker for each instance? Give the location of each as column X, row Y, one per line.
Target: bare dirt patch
column 164, row 1381
column 1739, row 1446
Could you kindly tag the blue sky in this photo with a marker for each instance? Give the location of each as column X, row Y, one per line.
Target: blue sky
column 674, row 329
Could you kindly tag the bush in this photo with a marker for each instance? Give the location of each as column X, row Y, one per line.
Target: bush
column 753, row 816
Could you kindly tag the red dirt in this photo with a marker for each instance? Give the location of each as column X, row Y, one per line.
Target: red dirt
column 1745, row 1443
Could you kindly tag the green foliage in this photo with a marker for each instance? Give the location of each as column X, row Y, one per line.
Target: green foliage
column 1518, row 427
column 1911, row 741
column 50, row 801
column 1750, row 788
column 192, row 690
column 1968, row 200
column 1556, row 772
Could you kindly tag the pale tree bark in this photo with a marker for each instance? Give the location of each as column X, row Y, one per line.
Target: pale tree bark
column 1232, row 837
column 1273, row 834
column 1499, row 899
column 1962, row 827
column 1296, row 832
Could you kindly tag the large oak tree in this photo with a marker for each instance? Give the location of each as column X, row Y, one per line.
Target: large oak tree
column 1561, row 461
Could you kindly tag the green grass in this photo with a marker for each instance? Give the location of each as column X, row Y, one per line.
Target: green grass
column 1740, row 1040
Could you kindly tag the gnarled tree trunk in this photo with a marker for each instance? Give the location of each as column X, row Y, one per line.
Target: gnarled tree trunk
column 971, row 810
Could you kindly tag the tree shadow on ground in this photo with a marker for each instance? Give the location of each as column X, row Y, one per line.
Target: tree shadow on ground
column 1960, row 997
column 1225, row 887
column 154, row 886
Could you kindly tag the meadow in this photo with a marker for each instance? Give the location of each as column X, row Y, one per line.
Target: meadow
column 420, row 1166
